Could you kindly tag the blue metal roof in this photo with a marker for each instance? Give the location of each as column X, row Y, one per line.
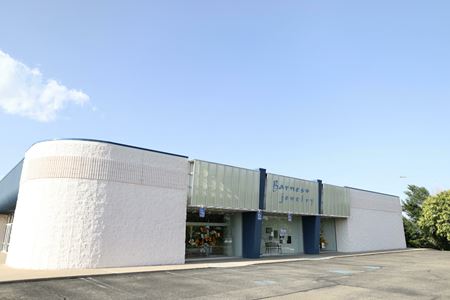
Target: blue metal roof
column 9, row 189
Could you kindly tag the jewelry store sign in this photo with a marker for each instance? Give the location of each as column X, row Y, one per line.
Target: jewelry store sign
column 291, row 195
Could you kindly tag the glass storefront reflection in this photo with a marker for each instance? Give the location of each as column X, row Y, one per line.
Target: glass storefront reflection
column 281, row 237
column 327, row 234
column 208, row 237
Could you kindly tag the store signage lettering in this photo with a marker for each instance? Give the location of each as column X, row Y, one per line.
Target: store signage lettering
column 301, row 194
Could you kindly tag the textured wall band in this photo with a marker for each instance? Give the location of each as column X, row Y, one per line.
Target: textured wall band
column 102, row 169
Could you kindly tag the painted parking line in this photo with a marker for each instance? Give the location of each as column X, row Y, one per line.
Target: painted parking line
column 264, row 282
column 372, row 267
column 344, row 272
column 351, row 272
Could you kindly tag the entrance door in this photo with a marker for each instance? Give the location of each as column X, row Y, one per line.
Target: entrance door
column 280, row 236
column 211, row 236
column 327, row 234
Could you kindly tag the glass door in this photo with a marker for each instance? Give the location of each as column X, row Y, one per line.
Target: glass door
column 208, row 237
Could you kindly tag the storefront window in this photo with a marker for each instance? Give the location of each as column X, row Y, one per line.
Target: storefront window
column 280, row 236
column 327, row 234
column 211, row 236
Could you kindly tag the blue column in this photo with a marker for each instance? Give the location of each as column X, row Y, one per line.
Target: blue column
column 320, row 196
column 251, row 226
column 262, row 188
column 311, row 227
column 311, row 234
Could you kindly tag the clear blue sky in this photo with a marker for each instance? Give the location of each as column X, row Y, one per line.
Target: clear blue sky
column 356, row 93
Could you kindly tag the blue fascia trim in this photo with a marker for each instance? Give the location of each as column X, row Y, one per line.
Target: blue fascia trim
column 262, row 188
column 9, row 189
column 10, row 171
column 320, row 187
column 112, row 143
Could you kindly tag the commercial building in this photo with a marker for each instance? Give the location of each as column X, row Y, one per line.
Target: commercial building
column 87, row 204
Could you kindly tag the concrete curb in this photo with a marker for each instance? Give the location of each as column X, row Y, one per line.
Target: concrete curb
column 9, row 275
column 248, row 263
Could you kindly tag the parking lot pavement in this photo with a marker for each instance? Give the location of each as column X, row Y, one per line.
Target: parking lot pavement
column 415, row 275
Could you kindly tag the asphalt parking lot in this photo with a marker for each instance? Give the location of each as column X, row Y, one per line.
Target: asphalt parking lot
column 413, row 275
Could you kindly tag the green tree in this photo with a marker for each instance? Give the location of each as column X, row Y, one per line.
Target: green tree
column 412, row 207
column 435, row 220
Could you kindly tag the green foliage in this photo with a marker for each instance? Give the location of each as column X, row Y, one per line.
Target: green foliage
column 435, row 220
column 412, row 206
column 414, row 235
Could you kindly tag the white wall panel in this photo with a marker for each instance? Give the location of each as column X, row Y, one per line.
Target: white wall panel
column 91, row 204
column 375, row 223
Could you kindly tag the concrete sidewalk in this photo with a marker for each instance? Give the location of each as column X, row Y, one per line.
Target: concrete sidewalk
column 8, row 274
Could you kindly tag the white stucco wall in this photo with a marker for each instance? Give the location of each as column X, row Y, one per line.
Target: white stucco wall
column 85, row 204
column 375, row 223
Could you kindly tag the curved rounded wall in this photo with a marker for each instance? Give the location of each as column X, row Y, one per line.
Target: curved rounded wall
column 85, row 204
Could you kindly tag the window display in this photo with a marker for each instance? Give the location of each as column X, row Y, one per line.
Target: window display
column 208, row 237
column 327, row 234
column 280, row 236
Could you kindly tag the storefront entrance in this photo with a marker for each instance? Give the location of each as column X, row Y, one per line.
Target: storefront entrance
column 281, row 236
column 327, row 234
column 215, row 235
